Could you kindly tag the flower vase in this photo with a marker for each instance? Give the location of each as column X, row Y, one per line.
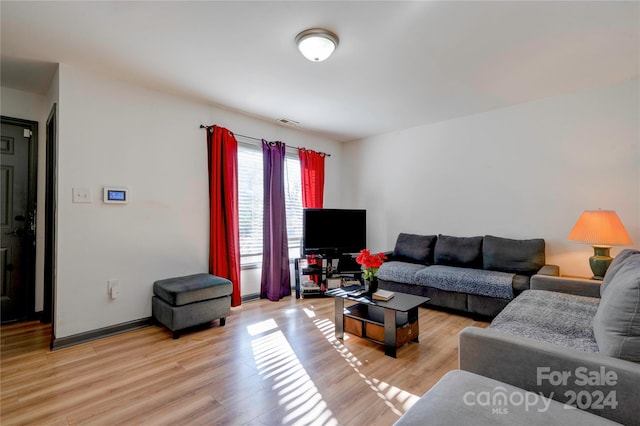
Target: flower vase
column 371, row 285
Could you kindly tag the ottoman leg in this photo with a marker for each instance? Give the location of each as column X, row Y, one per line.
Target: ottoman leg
column 176, row 334
column 223, row 321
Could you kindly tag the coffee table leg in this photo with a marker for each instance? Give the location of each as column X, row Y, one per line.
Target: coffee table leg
column 390, row 332
column 413, row 317
column 339, row 317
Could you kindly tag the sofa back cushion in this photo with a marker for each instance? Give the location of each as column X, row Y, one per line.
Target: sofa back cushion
column 415, row 248
column 615, row 266
column 524, row 257
column 458, row 251
column 616, row 325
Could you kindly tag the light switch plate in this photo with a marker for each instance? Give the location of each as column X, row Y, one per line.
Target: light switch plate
column 81, row 195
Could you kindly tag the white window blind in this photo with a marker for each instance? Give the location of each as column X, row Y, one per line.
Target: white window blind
column 250, row 202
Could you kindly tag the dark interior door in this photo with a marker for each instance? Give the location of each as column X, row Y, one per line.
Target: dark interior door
column 17, row 216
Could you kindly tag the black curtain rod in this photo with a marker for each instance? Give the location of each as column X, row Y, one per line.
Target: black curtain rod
column 202, row 126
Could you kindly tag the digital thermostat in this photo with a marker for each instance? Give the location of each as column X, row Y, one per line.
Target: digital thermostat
column 115, row 195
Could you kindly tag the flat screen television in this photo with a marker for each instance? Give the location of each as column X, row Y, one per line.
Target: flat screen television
column 334, row 231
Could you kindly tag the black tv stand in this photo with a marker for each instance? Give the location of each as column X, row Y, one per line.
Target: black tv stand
column 322, row 271
column 347, row 264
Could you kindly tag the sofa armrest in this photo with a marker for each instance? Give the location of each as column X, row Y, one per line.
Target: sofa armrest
column 555, row 371
column 577, row 286
column 552, row 270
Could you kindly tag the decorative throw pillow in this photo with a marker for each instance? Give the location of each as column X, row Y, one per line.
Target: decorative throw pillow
column 459, row 251
column 616, row 325
column 524, row 257
column 415, row 248
column 615, row 266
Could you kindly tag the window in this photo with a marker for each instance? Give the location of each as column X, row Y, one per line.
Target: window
column 250, row 203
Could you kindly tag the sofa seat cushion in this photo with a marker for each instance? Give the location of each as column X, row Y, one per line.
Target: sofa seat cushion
column 401, row 272
column 466, row 280
column 464, row 398
column 559, row 318
column 616, row 324
column 180, row 291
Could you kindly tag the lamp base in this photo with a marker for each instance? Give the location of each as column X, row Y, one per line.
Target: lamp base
column 600, row 261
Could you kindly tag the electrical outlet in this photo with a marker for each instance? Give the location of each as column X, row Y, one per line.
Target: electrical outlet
column 113, row 288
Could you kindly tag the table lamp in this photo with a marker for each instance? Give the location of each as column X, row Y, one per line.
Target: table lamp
column 602, row 229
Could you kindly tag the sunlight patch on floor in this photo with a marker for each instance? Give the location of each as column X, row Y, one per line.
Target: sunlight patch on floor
column 328, row 330
column 395, row 398
column 261, row 327
column 278, row 364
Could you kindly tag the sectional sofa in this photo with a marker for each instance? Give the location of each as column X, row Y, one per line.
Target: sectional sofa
column 480, row 275
column 575, row 341
column 565, row 341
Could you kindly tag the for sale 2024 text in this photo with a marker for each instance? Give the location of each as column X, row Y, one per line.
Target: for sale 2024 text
column 597, row 399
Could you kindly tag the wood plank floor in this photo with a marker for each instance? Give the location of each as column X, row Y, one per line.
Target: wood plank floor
column 274, row 363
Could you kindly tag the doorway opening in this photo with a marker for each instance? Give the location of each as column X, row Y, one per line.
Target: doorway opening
column 18, row 192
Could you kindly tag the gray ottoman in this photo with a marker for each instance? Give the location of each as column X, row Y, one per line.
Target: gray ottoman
column 464, row 398
column 183, row 302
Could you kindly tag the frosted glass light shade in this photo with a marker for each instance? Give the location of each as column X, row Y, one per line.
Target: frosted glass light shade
column 601, row 227
column 316, row 44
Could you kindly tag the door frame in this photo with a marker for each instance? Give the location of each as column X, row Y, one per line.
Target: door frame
column 31, row 206
column 50, row 207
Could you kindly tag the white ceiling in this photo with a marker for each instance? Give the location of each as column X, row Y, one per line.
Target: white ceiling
column 398, row 65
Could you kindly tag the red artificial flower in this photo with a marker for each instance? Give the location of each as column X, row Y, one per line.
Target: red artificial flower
column 363, row 256
column 370, row 262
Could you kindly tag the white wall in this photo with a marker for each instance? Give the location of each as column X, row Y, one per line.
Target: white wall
column 524, row 171
column 521, row 172
column 112, row 133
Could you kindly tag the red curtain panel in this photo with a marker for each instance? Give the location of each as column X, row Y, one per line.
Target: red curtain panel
column 312, row 172
column 224, row 229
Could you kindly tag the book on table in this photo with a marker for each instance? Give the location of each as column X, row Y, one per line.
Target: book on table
column 383, row 295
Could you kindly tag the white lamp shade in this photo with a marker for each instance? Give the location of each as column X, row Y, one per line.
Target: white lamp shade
column 316, row 44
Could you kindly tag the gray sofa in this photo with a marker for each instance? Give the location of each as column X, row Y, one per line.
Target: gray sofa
column 480, row 275
column 574, row 341
column 464, row 398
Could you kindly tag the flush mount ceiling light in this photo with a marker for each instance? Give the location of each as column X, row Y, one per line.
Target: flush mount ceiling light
column 316, row 44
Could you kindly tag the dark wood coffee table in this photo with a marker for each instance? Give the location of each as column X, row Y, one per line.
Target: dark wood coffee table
column 391, row 323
